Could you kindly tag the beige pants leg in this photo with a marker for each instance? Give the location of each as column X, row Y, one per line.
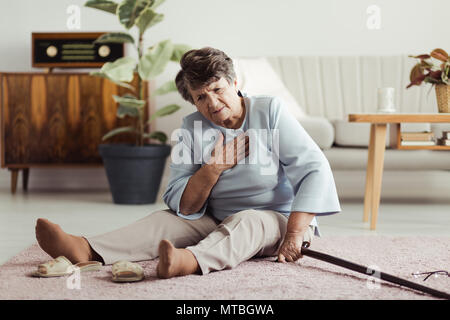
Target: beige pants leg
column 140, row 240
column 246, row 234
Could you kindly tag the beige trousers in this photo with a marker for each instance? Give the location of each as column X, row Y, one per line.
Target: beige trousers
column 216, row 245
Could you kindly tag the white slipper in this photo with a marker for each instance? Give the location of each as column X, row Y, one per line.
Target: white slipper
column 61, row 266
column 126, row 271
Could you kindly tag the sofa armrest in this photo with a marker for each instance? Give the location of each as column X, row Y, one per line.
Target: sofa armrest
column 320, row 129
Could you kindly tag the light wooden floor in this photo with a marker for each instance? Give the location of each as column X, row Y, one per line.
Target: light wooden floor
column 89, row 213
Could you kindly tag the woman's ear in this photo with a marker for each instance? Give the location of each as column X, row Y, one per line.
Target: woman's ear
column 235, row 86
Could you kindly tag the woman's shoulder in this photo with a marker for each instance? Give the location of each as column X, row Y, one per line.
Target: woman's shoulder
column 191, row 119
column 261, row 100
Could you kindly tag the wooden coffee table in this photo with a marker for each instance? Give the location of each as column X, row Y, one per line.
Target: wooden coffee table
column 377, row 145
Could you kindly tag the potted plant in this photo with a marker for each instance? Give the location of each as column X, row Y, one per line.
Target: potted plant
column 434, row 68
column 134, row 171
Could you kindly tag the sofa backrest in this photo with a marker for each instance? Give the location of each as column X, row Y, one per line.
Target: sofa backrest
column 334, row 86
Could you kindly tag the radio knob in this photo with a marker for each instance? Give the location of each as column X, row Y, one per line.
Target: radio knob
column 52, row 51
column 104, row 51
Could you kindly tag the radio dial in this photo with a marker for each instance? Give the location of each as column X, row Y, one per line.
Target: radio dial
column 52, row 51
column 104, row 51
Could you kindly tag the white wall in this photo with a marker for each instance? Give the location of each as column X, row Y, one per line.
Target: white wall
column 240, row 28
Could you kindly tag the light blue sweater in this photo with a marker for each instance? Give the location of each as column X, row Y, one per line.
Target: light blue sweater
column 298, row 179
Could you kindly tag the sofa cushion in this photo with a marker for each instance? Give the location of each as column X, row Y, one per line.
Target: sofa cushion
column 352, row 134
column 255, row 76
column 320, row 129
column 354, row 158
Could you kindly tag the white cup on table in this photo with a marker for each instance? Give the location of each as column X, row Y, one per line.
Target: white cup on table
column 386, row 100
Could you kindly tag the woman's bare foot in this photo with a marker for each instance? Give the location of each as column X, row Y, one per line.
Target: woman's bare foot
column 53, row 240
column 175, row 262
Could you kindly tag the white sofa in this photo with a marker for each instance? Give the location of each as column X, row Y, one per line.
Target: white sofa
column 322, row 91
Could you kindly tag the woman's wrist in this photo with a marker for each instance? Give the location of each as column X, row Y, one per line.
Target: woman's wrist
column 298, row 222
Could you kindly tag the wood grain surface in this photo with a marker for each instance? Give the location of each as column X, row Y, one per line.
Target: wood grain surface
column 58, row 118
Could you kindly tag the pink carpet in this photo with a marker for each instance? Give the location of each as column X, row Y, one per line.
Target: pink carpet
column 254, row 279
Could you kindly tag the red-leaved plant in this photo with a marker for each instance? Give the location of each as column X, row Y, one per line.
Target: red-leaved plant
column 426, row 70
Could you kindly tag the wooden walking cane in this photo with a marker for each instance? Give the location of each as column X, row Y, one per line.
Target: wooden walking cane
column 364, row 270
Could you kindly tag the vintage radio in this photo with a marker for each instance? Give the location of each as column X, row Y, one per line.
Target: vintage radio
column 72, row 50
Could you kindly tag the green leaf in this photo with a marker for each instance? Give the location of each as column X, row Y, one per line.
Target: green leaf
column 129, row 101
column 155, row 60
column 167, row 87
column 147, row 19
column 156, row 3
column 178, row 51
column 158, row 135
column 123, row 111
column 118, row 131
column 120, row 70
column 129, row 10
column 102, row 75
column 164, row 112
column 115, row 37
column 105, row 5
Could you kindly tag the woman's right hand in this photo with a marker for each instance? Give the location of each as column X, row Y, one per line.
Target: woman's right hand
column 225, row 157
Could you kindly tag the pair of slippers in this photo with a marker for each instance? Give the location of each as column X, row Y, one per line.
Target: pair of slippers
column 122, row 271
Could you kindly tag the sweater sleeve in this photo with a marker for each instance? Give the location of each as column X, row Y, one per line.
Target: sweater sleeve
column 304, row 164
column 182, row 168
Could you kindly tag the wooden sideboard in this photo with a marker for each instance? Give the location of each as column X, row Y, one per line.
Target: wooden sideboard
column 57, row 120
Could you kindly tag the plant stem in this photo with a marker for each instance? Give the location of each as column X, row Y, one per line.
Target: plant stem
column 141, row 84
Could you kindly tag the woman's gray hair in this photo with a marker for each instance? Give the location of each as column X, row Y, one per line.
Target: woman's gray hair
column 200, row 67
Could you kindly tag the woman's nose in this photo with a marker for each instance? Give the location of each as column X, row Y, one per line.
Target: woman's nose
column 212, row 102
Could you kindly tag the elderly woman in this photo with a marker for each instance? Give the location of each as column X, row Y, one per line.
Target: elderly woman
column 226, row 204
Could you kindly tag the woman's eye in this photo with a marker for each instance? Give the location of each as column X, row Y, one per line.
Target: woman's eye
column 217, row 89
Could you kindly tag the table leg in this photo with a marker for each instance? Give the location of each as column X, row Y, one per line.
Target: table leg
column 378, row 163
column 369, row 176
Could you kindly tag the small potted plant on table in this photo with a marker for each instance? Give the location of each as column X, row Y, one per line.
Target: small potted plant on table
column 434, row 68
column 134, row 171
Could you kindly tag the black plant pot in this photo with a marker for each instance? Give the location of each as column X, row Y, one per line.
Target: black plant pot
column 134, row 173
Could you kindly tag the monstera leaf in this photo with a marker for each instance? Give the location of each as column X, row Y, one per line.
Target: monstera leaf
column 155, row 60
column 105, row 5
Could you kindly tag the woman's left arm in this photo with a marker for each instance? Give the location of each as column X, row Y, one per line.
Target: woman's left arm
column 304, row 164
column 310, row 175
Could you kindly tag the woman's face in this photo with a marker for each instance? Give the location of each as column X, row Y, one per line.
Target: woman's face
column 219, row 103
